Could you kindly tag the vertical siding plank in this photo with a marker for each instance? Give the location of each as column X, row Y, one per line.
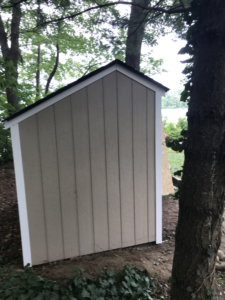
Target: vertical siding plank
column 140, row 163
column 50, row 177
column 65, row 148
column 33, row 187
column 98, row 167
column 126, row 158
column 151, row 164
column 112, row 160
column 83, row 176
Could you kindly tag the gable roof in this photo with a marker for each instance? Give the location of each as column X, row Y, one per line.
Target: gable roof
column 82, row 79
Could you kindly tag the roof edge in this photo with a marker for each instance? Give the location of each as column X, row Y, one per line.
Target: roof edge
column 115, row 62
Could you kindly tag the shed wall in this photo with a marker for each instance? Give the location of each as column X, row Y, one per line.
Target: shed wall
column 89, row 170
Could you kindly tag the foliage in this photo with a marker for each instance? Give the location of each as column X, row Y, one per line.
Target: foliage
column 176, row 161
column 6, row 154
column 174, row 139
column 85, row 43
column 172, row 100
column 130, row 283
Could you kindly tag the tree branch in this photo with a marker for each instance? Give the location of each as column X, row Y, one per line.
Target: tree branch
column 182, row 3
column 13, row 5
column 172, row 10
column 3, row 39
column 54, row 69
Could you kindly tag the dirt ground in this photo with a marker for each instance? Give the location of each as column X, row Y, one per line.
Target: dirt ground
column 157, row 259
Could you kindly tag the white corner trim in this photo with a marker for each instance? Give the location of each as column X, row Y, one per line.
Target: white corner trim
column 21, row 194
column 158, row 166
column 79, row 86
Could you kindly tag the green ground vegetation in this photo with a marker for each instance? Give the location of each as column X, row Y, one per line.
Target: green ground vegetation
column 130, row 283
column 176, row 161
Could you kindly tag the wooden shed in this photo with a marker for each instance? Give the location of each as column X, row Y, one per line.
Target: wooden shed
column 88, row 165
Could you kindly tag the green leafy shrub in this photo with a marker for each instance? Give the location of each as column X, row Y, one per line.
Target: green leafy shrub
column 6, row 154
column 175, row 133
column 130, row 283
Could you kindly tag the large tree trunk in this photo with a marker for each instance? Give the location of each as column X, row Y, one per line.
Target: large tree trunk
column 135, row 34
column 198, row 233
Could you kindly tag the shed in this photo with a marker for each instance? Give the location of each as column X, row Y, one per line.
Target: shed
column 88, row 165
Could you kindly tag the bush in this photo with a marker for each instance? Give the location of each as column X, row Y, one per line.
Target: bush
column 6, row 154
column 130, row 283
column 172, row 130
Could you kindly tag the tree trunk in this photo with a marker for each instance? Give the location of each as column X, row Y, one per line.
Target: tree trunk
column 54, row 69
column 12, row 53
column 198, row 233
column 38, row 72
column 136, row 28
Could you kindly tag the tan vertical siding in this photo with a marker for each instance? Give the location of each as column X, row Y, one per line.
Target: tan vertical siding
column 83, row 171
column 33, row 187
column 126, row 158
column 65, row 148
column 151, row 164
column 50, row 178
column 89, row 168
column 112, row 160
column 140, row 162
column 98, row 168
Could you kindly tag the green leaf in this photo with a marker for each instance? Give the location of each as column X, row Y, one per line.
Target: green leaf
column 85, row 294
column 171, row 280
column 186, row 50
column 184, row 96
column 189, row 289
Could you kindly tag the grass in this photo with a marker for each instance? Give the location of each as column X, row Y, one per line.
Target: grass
column 176, row 161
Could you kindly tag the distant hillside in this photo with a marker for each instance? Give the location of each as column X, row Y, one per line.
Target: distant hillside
column 172, row 100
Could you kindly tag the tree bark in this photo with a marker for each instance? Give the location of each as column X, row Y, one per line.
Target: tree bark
column 12, row 53
column 198, row 233
column 136, row 28
column 38, row 72
column 54, row 69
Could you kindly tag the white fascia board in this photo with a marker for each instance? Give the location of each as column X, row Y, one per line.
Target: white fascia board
column 158, row 166
column 141, row 80
column 21, row 194
column 80, row 86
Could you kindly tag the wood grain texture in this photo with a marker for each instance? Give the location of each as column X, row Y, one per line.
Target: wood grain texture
column 65, row 147
column 126, row 158
column 33, row 187
column 151, row 165
column 83, row 171
column 140, row 162
column 112, row 160
column 50, row 180
column 98, row 165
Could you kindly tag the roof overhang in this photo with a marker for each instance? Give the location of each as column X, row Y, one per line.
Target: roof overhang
column 84, row 81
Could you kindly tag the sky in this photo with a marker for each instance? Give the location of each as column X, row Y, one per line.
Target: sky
column 167, row 49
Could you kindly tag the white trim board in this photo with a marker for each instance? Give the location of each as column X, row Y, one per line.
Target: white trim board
column 158, row 166
column 21, row 194
column 78, row 87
